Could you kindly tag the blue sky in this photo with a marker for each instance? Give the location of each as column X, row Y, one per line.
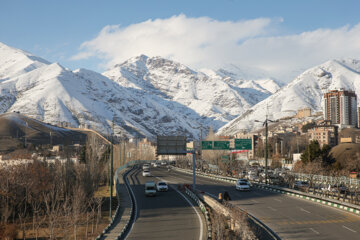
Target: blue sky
column 55, row 30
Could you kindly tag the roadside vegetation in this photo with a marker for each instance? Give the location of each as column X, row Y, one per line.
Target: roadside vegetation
column 55, row 200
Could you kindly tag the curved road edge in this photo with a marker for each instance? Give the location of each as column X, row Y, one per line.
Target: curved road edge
column 133, row 212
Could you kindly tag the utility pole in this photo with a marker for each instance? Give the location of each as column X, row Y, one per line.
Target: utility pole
column 194, row 167
column 266, row 150
column 26, row 133
column 266, row 146
column 124, row 155
column 111, row 168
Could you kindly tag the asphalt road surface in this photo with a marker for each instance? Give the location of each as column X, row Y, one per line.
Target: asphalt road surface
column 290, row 218
column 168, row 215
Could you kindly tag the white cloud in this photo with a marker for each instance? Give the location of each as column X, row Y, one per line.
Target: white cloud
column 208, row 43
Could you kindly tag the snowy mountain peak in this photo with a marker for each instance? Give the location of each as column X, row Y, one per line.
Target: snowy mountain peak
column 211, row 99
column 306, row 90
column 15, row 62
column 145, row 96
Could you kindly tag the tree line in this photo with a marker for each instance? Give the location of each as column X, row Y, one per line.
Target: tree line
column 54, row 200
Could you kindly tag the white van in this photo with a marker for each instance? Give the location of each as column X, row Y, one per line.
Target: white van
column 150, row 188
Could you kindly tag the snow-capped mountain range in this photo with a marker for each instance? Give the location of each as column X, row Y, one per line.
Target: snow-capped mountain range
column 145, row 96
column 306, row 90
column 154, row 96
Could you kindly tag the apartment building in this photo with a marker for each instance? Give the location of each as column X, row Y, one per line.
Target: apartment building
column 303, row 113
column 340, row 108
column 325, row 134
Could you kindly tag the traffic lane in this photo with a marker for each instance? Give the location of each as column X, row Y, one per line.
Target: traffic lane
column 285, row 220
column 291, row 218
column 165, row 216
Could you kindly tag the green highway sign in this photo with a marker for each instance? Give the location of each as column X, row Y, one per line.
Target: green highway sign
column 221, row 145
column 206, row 145
column 243, row 144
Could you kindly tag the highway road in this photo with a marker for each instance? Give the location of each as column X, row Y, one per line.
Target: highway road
column 290, row 218
column 168, row 215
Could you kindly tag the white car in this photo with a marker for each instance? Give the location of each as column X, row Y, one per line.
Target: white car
column 146, row 173
column 150, row 188
column 162, row 187
column 242, row 185
column 146, row 166
column 300, row 184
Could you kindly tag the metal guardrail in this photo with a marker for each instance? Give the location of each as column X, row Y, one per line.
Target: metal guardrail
column 313, row 198
column 203, row 209
column 259, row 223
column 133, row 208
column 328, row 179
column 132, row 163
column 328, row 202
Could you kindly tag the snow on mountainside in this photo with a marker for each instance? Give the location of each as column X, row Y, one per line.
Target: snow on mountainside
column 146, row 96
column 304, row 91
column 212, row 99
column 50, row 93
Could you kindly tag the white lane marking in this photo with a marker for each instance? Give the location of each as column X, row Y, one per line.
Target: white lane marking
column 304, row 210
column 349, row 229
column 190, row 203
column 277, row 200
column 314, row 231
column 272, row 208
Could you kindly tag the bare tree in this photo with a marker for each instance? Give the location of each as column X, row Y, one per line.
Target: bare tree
column 53, row 210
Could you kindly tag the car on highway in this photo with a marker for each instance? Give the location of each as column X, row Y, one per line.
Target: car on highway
column 150, row 189
column 300, row 184
column 162, row 187
column 146, row 173
column 146, row 166
column 242, row 185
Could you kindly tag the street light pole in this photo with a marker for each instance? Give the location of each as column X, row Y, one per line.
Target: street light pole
column 266, row 146
column 266, row 150
column 111, row 169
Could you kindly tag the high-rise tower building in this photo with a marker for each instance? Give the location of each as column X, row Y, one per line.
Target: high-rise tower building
column 358, row 117
column 340, row 107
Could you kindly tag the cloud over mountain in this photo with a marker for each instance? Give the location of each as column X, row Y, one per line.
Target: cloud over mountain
column 205, row 42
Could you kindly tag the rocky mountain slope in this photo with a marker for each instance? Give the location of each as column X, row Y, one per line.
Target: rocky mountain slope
column 145, row 96
column 216, row 98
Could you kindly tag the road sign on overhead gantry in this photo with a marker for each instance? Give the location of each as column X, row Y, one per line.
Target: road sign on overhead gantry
column 171, row 145
column 243, row 144
column 206, row 145
column 221, row 145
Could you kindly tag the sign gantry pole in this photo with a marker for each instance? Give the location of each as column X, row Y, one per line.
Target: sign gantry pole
column 194, row 173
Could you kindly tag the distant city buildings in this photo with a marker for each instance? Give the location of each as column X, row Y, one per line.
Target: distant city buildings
column 303, row 113
column 340, row 108
column 358, row 117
